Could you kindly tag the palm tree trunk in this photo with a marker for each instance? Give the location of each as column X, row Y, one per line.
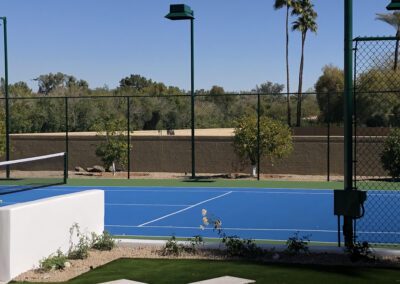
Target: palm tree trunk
column 396, row 55
column 299, row 93
column 396, row 52
column 289, row 111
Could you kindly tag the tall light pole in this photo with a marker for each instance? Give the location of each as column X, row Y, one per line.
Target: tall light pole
column 348, row 115
column 7, row 126
column 184, row 12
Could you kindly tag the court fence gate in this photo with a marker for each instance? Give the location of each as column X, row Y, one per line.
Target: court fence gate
column 376, row 140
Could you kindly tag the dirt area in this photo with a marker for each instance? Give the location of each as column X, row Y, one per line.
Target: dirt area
column 204, row 176
column 163, row 175
column 98, row 258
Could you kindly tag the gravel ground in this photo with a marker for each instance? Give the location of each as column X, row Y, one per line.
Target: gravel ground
column 98, row 258
column 138, row 250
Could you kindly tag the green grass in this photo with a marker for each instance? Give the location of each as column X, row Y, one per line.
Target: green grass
column 205, row 183
column 185, row 271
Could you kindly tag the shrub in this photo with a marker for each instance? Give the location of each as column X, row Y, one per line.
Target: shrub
column 390, row 156
column 172, row 247
column 54, row 261
column 103, row 241
column 360, row 251
column 236, row 246
column 296, row 244
column 194, row 242
column 81, row 249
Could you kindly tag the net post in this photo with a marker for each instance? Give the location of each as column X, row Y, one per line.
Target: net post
column 66, row 138
column 65, row 167
column 258, row 136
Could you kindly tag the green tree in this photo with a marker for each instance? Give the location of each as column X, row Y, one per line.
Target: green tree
column 275, row 139
column 52, row 82
column 390, row 156
column 269, row 88
column 305, row 22
column 135, row 82
column 392, row 19
column 377, row 105
column 278, row 5
column 20, row 110
column 114, row 150
column 330, row 83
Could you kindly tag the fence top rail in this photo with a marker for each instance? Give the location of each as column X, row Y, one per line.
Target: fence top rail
column 188, row 96
column 384, row 38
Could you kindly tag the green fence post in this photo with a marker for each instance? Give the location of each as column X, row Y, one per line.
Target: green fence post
column 328, row 150
column 348, row 114
column 7, row 106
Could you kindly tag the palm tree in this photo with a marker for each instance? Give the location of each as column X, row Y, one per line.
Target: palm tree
column 305, row 22
column 278, row 5
column 392, row 19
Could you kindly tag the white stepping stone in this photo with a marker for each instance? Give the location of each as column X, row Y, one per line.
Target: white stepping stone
column 123, row 281
column 225, row 280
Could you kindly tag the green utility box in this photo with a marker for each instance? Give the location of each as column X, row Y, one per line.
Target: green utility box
column 349, row 203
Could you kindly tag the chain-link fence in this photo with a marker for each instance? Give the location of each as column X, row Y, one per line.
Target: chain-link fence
column 155, row 134
column 377, row 142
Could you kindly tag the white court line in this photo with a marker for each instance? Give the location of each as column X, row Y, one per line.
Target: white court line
column 187, row 208
column 287, row 192
column 295, row 191
column 194, row 190
column 236, row 229
column 136, row 190
column 147, row 204
column 250, row 229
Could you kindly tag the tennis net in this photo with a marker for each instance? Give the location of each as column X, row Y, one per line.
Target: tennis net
column 33, row 172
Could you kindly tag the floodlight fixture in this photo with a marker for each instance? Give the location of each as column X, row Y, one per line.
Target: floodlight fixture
column 394, row 5
column 180, row 12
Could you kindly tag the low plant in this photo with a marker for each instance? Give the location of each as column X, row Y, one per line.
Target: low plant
column 81, row 249
column 235, row 246
column 194, row 243
column 360, row 251
column 172, row 247
column 103, row 242
column 297, row 244
column 53, row 262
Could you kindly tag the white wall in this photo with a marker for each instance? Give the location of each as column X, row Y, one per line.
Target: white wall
column 34, row 230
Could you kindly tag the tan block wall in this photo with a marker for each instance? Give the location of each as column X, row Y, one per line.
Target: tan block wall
column 173, row 154
column 214, row 154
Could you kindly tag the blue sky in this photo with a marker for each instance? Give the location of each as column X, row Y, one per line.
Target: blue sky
column 238, row 43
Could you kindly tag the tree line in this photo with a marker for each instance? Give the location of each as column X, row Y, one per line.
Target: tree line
column 152, row 105
column 155, row 106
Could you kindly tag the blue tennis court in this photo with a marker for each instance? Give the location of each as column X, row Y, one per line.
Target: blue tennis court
column 265, row 214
